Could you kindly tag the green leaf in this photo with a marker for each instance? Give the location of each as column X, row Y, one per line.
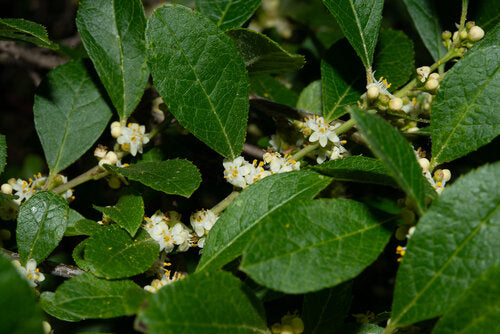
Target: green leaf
column 227, row 14
column 20, row 313
column 326, row 309
column 70, row 114
column 207, row 302
column 478, row 308
column 454, row 242
column 26, row 31
column 3, row 153
column 200, row 76
column 283, row 253
column 112, row 32
column 394, row 57
column 426, row 20
column 112, row 253
column 78, row 255
column 270, row 88
column 41, row 223
column 262, row 55
column 176, row 176
column 357, row 169
column 128, row 212
column 392, row 148
column 234, row 229
column 465, row 114
column 88, row 297
column 341, row 79
column 355, row 328
column 83, row 227
column 73, row 217
column 310, row 98
column 360, row 22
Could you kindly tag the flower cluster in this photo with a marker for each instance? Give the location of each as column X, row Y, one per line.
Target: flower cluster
column 318, row 130
column 441, row 176
column 30, row 272
column 23, row 190
column 202, row 222
column 168, row 231
column 165, row 279
column 241, row 173
column 131, row 137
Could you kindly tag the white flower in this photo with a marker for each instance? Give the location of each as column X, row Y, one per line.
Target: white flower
column 201, row 242
column 382, row 86
column 236, row 170
column 277, row 164
column 22, row 189
column 68, row 194
column 30, row 272
column 202, row 221
column 182, row 236
column 159, row 231
column 132, row 138
column 257, row 172
column 338, row 152
column 157, row 284
column 320, row 130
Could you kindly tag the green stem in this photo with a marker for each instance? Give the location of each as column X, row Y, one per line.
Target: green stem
column 421, row 120
column 463, row 18
column 304, row 151
column 97, row 172
column 369, row 75
column 452, row 53
column 94, row 173
column 222, row 205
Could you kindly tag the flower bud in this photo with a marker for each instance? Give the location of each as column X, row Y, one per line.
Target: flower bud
column 423, row 73
column 276, row 328
column 411, row 231
column 446, row 35
column 5, row 234
column 455, row 35
column 103, row 162
column 431, row 85
column 438, row 175
column 111, row 157
column 384, row 99
column 446, row 175
column 58, row 180
column 463, row 35
column 396, row 104
column 7, row 189
column 434, row 76
column 470, row 24
column 114, row 182
column 408, row 216
column 373, row 92
column 286, row 329
column 116, row 132
column 115, row 125
column 476, row 33
column 47, row 329
column 424, row 163
column 401, row 233
column 297, row 325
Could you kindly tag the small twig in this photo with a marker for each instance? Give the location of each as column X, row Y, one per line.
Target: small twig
column 49, row 267
column 253, row 151
column 11, row 52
